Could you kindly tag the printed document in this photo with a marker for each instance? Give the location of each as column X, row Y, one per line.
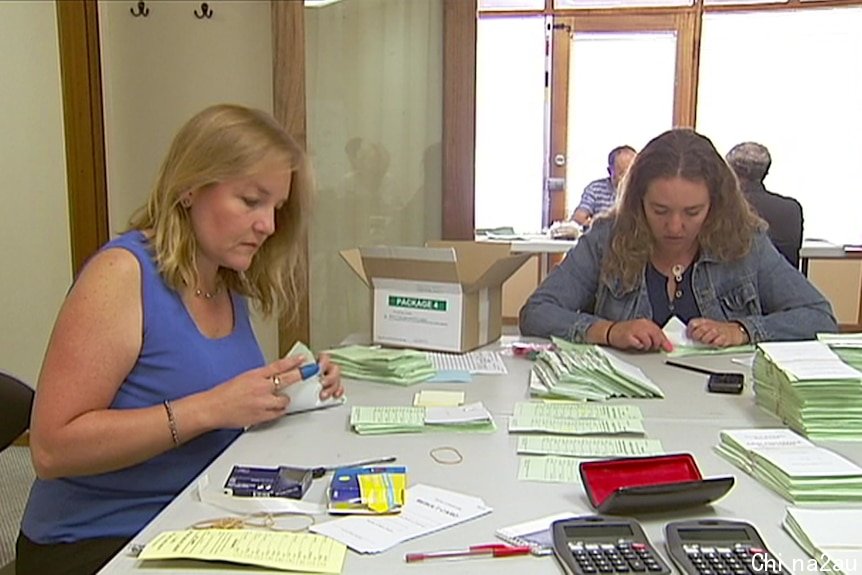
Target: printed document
column 271, row 549
column 584, row 447
column 478, row 362
column 550, row 469
column 427, row 509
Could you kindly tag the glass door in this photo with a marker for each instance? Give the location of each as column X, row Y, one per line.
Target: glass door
column 617, row 80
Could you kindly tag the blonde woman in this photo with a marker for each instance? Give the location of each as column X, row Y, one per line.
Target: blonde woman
column 152, row 368
column 683, row 242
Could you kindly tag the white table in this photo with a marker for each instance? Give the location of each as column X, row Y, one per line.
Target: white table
column 823, row 250
column 687, row 420
column 532, row 244
column 539, row 244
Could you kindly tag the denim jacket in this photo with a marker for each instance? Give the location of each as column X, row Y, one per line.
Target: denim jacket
column 761, row 291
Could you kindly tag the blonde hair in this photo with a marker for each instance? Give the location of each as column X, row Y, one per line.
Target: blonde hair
column 220, row 143
column 728, row 230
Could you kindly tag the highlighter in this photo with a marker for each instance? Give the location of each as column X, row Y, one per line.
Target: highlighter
column 310, row 370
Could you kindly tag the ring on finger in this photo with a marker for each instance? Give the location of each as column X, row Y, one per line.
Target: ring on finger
column 276, row 384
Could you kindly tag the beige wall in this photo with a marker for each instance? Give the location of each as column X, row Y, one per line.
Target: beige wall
column 839, row 281
column 160, row 70
column 518, row 288
column 34, row 221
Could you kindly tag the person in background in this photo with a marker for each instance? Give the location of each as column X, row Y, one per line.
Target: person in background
column 684, row 242
column 600, row 195
column 751, row 162
column 152, row 368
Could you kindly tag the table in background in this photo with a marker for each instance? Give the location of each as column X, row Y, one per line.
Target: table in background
column 541, row 245
column 687, row 420
column 823, row 250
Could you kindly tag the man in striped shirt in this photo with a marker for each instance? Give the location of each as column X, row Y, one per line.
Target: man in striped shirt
column 600, row 195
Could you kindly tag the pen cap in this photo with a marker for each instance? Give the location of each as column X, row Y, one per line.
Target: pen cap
column 309, row 370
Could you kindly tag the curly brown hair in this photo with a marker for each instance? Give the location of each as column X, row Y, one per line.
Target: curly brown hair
column 222, row 142
column 730, row 225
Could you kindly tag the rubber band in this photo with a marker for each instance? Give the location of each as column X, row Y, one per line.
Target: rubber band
column 256, row 521
column 454, row 456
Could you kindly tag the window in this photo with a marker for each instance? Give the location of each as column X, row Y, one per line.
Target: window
column 795, row 90
column 510, row 122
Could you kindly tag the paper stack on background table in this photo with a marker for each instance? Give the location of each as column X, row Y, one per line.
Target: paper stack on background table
column 371, row 363
column 833, row 537
column 792, row 466
column 587, row 372
column 809, row 387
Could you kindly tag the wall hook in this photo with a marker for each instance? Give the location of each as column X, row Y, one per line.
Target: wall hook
column 206, row 11
column 142, row 10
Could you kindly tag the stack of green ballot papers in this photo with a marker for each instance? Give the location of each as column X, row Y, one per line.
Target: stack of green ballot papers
column 372, row 363
column 795, row 468
column 824, row 534
column 848, row 346
column 810, row 388
column 576, row 418
column 411, row 419
column 587, row 372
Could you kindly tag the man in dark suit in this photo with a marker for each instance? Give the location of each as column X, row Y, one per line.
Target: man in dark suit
column 751, row 162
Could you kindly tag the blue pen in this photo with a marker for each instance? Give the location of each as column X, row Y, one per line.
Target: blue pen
column 309, row 370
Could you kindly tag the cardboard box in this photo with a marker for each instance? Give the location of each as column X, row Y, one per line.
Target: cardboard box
column 446, row 296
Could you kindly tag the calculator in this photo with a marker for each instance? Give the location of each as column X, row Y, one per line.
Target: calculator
column 719, row 547
column 596, row 544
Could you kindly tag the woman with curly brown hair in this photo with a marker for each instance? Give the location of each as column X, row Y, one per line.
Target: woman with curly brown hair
column 682, row 241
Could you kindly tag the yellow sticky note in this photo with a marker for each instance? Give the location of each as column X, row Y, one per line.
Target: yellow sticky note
column 435, row 398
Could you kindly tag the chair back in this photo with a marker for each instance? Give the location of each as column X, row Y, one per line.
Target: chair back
column 16, row 401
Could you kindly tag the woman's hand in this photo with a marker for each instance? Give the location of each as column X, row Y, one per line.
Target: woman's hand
column 252, row 397
column 330, row 378
column 638, row 334
column 717, row 333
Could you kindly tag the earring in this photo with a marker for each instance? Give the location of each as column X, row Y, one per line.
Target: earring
column 186, row 202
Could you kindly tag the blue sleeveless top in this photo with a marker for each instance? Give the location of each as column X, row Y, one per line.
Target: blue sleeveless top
column 175, row 360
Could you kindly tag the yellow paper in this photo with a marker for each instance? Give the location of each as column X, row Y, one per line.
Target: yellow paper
column 382, row 492
column 436, row 398
column 303, row 552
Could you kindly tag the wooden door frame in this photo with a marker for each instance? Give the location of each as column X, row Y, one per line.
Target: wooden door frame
column 289, row 108
column 459, row 119
column 83, row 119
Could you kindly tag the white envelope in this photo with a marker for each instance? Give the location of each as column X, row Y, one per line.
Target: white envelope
column 305, row 395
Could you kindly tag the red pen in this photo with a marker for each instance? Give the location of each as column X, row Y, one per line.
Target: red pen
column 488, row 550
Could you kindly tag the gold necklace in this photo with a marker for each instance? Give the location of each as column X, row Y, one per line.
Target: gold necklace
column 206, row 294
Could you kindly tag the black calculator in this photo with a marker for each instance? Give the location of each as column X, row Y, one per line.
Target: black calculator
column 719, row 547
column 596, row 544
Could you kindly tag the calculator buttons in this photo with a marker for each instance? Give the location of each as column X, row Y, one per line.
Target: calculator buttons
column 739, row 560
column 622, row 557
